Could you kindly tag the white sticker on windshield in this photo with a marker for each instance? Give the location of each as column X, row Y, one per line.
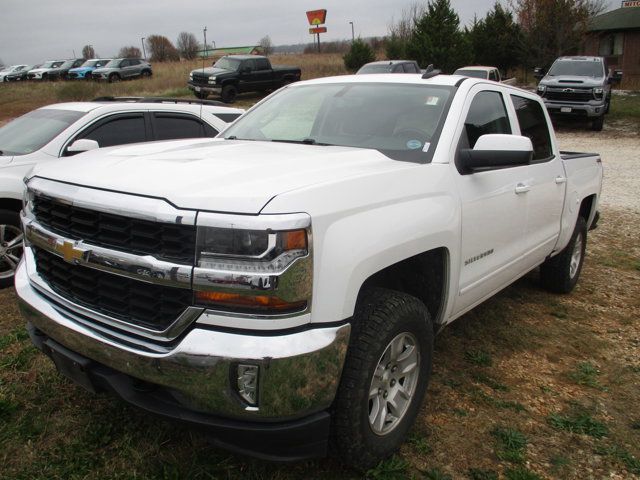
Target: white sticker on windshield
column 432, row 101
column 425, row 147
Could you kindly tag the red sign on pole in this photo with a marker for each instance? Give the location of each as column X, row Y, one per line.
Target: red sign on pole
column 317, row 17
column 315, row 30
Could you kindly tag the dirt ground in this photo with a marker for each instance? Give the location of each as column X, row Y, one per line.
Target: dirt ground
column 527, row 386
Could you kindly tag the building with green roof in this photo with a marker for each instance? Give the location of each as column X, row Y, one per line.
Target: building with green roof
column 615, row 35
column 219, row 52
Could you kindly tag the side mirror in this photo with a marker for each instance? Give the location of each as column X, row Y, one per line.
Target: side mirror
column 83, row 145
column 496, row 151
column 617, row 76
column 539, row 72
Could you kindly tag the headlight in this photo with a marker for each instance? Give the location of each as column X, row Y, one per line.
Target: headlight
column 254, row 270
column 212, row 79
column 597, row 92
column 542, row 89
column 191, row 76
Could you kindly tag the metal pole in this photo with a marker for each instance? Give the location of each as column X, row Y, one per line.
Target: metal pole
column 74, row 53
column 353, row 37
column 206, row 50
column 144, row 52
column 318, row 42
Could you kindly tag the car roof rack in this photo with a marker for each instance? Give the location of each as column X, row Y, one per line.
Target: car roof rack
column 430, row 72
column 212, row 103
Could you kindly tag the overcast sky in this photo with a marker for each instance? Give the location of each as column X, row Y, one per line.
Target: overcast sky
column 32, row 31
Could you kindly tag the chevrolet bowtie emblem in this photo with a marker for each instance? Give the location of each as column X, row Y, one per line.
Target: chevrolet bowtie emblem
column 69, row 252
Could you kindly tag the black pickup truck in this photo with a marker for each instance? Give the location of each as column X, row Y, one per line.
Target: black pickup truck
column 235, row 74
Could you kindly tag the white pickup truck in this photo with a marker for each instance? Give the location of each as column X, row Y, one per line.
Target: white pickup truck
column 282, row 285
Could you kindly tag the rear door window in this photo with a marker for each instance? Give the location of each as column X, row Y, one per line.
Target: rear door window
column 262, row 64
column 410, row 68
column 533, row 124
column 172, row 126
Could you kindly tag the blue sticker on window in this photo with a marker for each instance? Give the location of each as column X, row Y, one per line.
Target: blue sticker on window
column 414, row 144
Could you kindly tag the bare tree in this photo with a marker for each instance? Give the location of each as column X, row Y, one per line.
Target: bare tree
column 129, row 52
column 187, row 45
column 88, row 52
column 265, row 44
column 161, row 49
column 1, row 63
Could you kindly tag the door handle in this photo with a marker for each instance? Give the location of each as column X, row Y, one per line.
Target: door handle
column 522, row 188
column 560, row 180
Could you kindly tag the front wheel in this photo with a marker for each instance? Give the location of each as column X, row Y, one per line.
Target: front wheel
column 10, row 246
column 385, row 376
column 597, row 124
column 114, row 77
column 229, row 93
column 560, row 274
column 201, row 95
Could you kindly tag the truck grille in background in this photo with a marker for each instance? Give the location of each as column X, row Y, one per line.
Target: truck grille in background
column 577, row 95
column 200, row 78
column 166, row 241
column 135, row 302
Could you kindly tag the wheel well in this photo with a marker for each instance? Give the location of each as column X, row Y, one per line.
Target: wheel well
column 10, row 204
column 422, row 276
column 586, row 207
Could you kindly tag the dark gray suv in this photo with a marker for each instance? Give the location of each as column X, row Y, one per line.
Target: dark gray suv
column 123, row 68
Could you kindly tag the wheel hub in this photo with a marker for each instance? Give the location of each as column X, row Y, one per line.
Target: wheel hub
column 394, row 383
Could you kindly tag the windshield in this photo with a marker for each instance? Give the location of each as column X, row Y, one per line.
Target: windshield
column 7, row 69
column 399, row 120
column 578, row 68
column 385, row 68
column 34, row 130
column 67, row 64
column 48, row 64
column 113, row 63
column 91, row 63
column 227, row 63
column 471, row 73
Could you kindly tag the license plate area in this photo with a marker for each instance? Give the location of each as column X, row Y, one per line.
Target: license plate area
column 73, row 366
column 197, row 89
column 565, row 109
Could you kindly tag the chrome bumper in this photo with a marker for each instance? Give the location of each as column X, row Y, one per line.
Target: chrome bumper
column 299, row 372
column 204, row 88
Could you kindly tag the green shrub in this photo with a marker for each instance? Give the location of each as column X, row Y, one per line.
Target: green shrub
column 359, row 54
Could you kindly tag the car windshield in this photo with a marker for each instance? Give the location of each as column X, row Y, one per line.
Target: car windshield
column 226, row 63
column 91, row 63
column 471, row 73
column 67, row 64
column 384, row 68
column 48, row 64
column 7, row 69
column 113, row 63
column 57, row 64
column 399, row 120
column 578, row 68
column 34, row 130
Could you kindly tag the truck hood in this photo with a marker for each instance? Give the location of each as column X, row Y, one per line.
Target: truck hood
column 232, row 176
column 572, row 80
column 211, row 71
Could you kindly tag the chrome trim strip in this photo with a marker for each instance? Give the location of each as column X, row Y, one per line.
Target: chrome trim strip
column 145, row 268
column 187, row 317
column 289, row 221
column 116, row 203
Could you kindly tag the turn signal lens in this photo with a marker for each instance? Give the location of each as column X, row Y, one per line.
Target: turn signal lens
column 294, row 240
column 249, row 302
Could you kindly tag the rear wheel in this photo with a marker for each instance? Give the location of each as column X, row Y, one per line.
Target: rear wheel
column 384, row 377
column 560, row 274
column 10, row 246
column 229, row 93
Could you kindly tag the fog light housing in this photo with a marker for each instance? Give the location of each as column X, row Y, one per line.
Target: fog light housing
column 247, row 383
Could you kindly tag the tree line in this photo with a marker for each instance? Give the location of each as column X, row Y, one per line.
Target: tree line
column 523, row 33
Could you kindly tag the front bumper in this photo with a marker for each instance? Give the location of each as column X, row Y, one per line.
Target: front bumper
column 591, row 109
column 204, row 88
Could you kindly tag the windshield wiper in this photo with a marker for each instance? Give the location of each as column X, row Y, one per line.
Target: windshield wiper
column 306, row 141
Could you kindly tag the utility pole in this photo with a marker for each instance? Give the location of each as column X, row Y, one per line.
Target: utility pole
column 144, row 52
column 353, row 37
column 206, row 49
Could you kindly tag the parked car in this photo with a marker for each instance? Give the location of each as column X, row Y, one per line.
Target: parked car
column 85, row 71
column 9, row 70
column 282, row 285
column 123, row 69
column 486, row 73
column 390, row 66
column 578, row 87
column 42, row 72
column 234, row 74
column 66, row 129
column 62, row 72
column 20, row 75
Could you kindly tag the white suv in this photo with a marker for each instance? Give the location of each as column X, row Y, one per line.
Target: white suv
column 66, row 129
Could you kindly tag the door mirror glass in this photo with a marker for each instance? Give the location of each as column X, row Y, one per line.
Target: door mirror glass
column 617, row 76
column 494, row 151
column 538, row 72
column 83, row 145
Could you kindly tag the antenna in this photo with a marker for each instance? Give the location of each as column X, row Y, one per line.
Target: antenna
column 206, row 54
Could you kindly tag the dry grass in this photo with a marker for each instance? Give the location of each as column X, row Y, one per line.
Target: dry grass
column 168, row 80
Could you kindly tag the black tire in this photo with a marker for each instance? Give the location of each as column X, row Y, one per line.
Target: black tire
column 597, row 123
column 381, row 316
column 607, row 105
column 9, row 230
column 201, row 95
column 556, row 273
column 229, row 93
column 114, row 77
column 146, row 73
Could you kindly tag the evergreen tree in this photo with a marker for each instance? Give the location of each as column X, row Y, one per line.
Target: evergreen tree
column 359, row 54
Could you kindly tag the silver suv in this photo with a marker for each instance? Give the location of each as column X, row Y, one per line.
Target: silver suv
column 123, row 68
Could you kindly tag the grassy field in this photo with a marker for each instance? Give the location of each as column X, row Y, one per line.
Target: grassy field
column 527, row 386
column 168, row 80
